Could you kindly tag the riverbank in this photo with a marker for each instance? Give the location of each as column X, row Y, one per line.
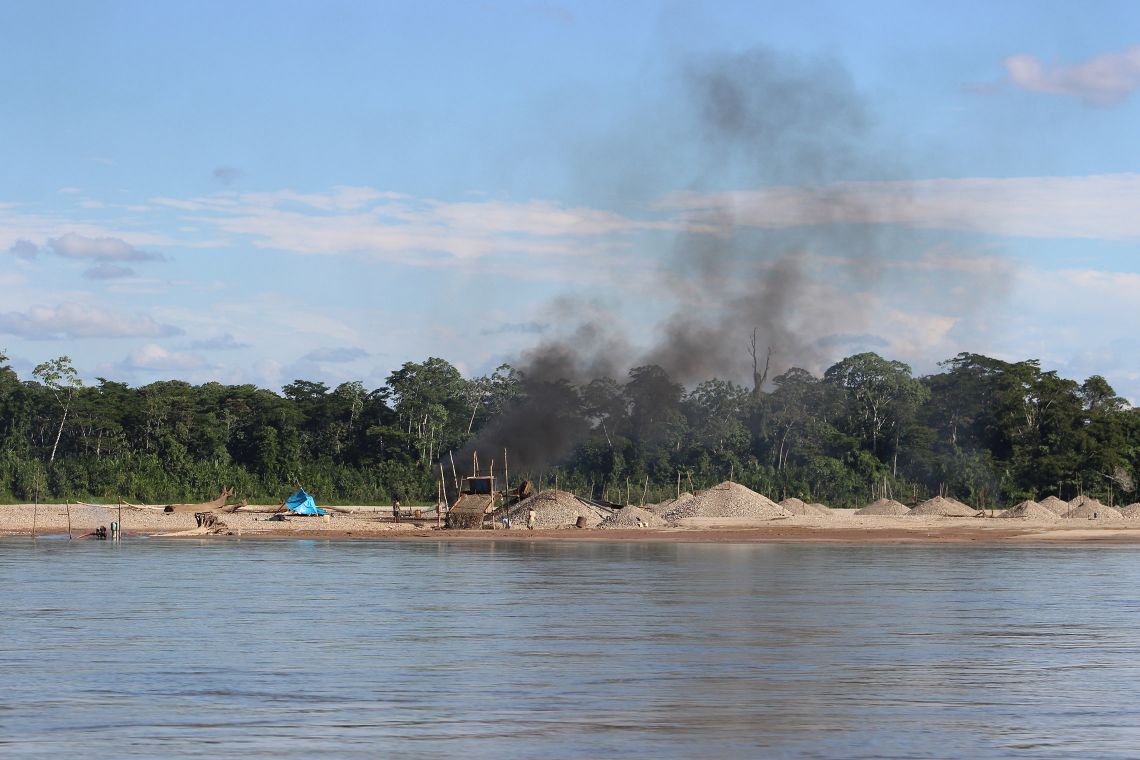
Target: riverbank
column 840, row 526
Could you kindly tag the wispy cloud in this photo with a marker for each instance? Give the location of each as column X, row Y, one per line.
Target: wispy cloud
column 106, row 271
column 153, row 357
column 224, row 342
column 1101, row 81
column 335, row 355
column 75, row 246
column 81, row 321
column 1103, row 206
column 24, row 249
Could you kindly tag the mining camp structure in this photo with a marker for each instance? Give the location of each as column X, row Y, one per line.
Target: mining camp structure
column 479, row 505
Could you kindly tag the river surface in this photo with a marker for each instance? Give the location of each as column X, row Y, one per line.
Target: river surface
column 300, row 649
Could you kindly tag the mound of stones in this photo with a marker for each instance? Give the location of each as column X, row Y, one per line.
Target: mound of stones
column 666, row 506
column 1092, row 509
column 1131, row 512
column 633, row 517
column 1055, row 505
column 1030, row 510
column 940, row 506
column 801, row 507
column 728, row 499
column 556, row 509
column 884, row 507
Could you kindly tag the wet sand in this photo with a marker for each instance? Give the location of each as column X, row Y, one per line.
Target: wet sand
column 375, row 524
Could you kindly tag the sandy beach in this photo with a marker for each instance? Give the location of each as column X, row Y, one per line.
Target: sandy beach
column 371, row 523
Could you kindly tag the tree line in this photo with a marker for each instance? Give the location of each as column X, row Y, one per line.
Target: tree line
column 983, row 430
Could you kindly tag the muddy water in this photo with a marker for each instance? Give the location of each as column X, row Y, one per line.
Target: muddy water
column 294, row 649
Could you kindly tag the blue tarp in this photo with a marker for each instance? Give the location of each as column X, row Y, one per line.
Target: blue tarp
column 302, row 503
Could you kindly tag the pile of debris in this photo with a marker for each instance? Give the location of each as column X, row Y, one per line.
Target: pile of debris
column 801, row 507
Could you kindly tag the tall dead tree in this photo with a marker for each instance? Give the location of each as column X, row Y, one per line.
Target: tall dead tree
column 758, row 377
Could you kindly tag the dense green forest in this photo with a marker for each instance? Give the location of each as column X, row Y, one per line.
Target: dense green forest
column 983, row 430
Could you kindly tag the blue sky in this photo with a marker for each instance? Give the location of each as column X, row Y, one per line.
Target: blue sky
column 259, row 192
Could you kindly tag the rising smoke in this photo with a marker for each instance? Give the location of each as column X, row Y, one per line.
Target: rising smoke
column 755, row 119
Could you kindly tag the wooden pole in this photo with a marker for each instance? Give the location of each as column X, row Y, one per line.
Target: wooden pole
column 644, row 490
column 475, row 463
column 454, row 472
column 678, row 484
column 36, row 508
column 67, row 506
column 506, row 472
column 120, row 520
column 627, row 492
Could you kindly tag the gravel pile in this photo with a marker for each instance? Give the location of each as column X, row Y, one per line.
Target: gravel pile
column 1055, row 505
column 633, row 517
column 1081, row 501
column 941, row 506
column 1029, row 510
column 888, row 507
column 556, row 509
column 668, row 505
column 1132, row 511
column 728, row 500
column 1091, row 508
column 801, row 507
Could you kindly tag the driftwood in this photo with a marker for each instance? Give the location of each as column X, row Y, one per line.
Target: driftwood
column 205, row 506
column 208, row 522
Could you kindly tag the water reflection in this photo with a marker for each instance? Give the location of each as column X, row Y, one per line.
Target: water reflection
column 513, row 649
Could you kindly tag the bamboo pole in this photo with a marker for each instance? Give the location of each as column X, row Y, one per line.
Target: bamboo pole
column 644, row 490
column 627, row 492
column 67, row 506
column 119, row 532
column 454, row 472
column 678, row 484
column 506, row 472
column 36, row 507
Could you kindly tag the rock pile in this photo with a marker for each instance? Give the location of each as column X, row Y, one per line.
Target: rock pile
column 940, row 506
column 1029, row 510
column 800, row 507
column 556, row 509
column 1055, row 505
column 887, row 507
column 633, row 517
column 1091, row 508
column 728, row 500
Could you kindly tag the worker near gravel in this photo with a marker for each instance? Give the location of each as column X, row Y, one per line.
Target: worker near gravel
column 395, row 510
column 531, row 516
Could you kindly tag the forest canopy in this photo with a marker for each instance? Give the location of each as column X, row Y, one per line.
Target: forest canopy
column 981, row 429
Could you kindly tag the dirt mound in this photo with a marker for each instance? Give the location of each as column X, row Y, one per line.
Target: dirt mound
column 1029, row 510
column 823, row 508
column 800, row 507
column 728, row 500
column 887, row 507
column 1055, row 505
column 1093, row 509
column 633, row 517
column 940, row 506
column 556, row 509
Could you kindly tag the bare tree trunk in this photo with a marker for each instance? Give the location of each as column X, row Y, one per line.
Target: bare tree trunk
column 58, row 433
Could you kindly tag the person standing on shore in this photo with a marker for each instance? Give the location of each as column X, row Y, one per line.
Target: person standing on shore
column 395, row 510
column 531, row 516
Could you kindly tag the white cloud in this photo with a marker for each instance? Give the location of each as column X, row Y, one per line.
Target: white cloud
column 80, row 321
column 336, row 355
column 1101, row 81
